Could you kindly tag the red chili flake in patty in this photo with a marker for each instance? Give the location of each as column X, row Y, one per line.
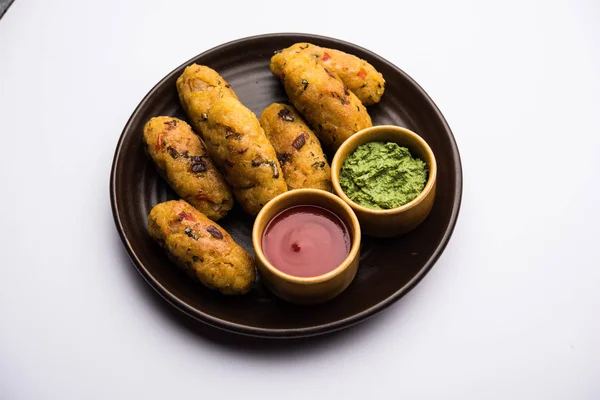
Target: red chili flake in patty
column 159, row 141
column 326, row 56
column 202, row 196
column 186, row 216
column 362, row 74
column 230, row 163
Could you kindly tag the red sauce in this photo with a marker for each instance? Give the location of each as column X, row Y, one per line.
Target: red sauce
column 306, row 241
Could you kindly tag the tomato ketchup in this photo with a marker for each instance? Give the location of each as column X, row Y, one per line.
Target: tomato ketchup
column 306, row 241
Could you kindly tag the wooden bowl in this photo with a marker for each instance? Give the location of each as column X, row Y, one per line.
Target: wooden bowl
column 395, row 221
column 315, row 289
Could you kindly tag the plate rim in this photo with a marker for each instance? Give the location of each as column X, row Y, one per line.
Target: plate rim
column 289, row 332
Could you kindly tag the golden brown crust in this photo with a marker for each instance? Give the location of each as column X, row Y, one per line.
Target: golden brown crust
column 359, row 76
column 199, row 87
column 234, row 139
column 299, row 151
column 328, row 106
column 181, row 158
column 201, row 247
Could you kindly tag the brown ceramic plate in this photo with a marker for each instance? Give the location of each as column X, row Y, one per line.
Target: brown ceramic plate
column 388, row 269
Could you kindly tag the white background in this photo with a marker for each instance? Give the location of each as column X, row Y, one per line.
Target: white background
column 510, row 311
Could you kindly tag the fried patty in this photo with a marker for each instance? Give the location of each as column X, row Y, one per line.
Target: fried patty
column 201, row 247
column 181, row 159
column 359, row 76
column 298, row 149
column 233, row 137
column 327, row 105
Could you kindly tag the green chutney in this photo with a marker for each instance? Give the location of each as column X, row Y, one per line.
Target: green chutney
column 382, row 175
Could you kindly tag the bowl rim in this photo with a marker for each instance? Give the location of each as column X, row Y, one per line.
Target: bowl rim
column 354, row 229
column 284, row 333
column 337, row 160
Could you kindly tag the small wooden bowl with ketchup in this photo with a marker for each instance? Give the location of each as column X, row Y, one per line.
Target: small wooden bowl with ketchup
column 307, row 245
